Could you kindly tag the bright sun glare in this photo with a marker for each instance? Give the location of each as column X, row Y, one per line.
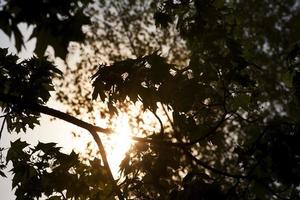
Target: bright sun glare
column 119, row 142
column 125, row 125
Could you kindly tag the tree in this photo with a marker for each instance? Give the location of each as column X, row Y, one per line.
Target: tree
column 234, row 110
column 120, row 34
column 58, row 22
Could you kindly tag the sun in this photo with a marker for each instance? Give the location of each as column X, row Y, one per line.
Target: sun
column 118, row 142
column 131, row 121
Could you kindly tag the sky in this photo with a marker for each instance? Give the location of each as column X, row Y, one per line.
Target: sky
column 5, row 183
column 59, row 131
column 49, row 130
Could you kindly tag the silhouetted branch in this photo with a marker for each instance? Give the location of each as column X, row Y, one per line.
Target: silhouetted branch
column 212, row 131
column 160, row 122
column 63, row 196
column 169, row 118
column 25, row 104
column 94, row 129
column 106, row 165
column 55, row 113
column 182, row 146
column 2, row 127
column 245, row 119
column 158, row 142
column 212, row 169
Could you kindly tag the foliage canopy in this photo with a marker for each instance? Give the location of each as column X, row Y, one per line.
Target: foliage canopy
column 231, row 97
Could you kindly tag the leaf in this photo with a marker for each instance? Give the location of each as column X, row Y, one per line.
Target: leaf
column 2, row 174
column 47, row 148
column 16, row 150
column 18, row 177
column 241, row 101
column 198, row 132
column 55, row 198
column 4, row 22
column 162, row 19
column 19, row 43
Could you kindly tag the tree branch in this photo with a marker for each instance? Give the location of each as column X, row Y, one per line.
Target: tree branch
column 160, row 122
column 158, row 142
column 166, row 113
column 212, row 169
column 210, row 132
column 106, row 164
column 63, row 196
column 94, row 129
column 25, row 104
column 2, row 127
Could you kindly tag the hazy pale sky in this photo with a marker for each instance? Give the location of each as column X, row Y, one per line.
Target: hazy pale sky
column 59, row 131
column 55, row 131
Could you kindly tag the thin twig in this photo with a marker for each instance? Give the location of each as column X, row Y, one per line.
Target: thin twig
column 63, row 196
column 245, row 119
column 160, row 122
column 158, row 142
column 2, row 126
column 182, row 146
column 106, row 164
column 169, row 118
column 212, row 131
column 212, row 169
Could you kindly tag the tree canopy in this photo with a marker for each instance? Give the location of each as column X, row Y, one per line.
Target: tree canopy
column 223, row 73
